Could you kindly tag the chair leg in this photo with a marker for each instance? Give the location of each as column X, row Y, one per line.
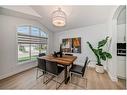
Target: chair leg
column 70, row 77
column 86, row 82
column 44, row 79
column 56, row 82
column 37, row 74
column 47, row 80
column 85, row 78
column 57, row 86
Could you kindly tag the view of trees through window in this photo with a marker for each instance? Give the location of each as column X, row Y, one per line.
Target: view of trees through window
column 31, row 42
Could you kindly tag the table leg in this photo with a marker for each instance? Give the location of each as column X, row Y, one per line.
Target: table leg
column 66, row 77
column 65, row 74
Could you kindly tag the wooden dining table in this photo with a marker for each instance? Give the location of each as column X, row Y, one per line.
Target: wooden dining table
column 65, row 60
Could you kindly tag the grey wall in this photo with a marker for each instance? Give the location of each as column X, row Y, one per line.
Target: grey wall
column 8, row 44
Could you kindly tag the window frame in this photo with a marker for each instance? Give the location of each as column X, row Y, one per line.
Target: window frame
column 30, row 27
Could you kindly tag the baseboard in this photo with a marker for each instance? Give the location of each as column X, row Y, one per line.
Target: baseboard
column 16, row 71
column 112, row 77
column 93, row 65
column 121, row 77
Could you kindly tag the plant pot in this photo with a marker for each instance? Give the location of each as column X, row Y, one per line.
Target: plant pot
column 99, row 69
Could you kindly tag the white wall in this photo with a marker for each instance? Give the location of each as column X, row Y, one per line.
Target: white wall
column 23, row 9
column 93, row 34
column 121, row 38
column 126, row 46
column 121, row 60
column 8, row 44
column 121, row 33
column 112, row 29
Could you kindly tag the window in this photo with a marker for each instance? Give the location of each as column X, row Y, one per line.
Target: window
column 23, row 29
column 23, row 52
column 35, row 31
column 31, row 42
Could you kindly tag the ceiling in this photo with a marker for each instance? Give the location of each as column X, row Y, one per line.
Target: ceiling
column 77, row 16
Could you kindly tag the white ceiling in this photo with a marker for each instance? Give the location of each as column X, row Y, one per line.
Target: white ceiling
column 77, row 16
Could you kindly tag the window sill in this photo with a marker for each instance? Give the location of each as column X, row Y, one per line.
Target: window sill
column 26, row 62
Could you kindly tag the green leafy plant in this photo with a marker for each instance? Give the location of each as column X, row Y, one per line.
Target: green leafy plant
column 99, row 52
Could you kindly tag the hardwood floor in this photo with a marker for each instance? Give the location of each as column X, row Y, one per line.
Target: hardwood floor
column 27, row 80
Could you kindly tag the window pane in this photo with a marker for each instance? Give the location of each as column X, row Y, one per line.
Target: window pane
column 43, row 34
column 23, row 29
column 43, row 48
column 23, row 52
column 34, row 51
column 34, row 31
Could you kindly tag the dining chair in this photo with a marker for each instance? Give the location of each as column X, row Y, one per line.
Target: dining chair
column 41, row 67
column 68, row 54
column 54, row 70
column 79, row 71
column 41, row 54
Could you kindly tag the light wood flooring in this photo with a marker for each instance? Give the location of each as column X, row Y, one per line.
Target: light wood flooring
column 27, row 80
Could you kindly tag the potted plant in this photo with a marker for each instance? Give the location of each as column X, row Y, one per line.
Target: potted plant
column 100, row 54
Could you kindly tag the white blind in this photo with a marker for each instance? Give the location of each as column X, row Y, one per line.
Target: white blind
column 28, row 39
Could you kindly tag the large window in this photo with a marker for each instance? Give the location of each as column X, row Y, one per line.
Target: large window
column 31, row 42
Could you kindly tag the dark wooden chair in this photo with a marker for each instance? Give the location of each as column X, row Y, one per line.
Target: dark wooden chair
column 79, row 70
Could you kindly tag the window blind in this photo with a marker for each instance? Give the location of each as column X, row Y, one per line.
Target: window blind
column 28, row 39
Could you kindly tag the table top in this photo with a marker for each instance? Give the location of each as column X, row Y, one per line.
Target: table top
column 64, row 60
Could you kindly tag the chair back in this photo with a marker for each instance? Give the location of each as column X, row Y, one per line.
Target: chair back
column 69, row 54
column 85, row 65
column 51, row 67
column 41, row 64
column 41, row 54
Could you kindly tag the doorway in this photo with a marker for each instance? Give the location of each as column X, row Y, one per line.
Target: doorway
column 119, row 27
column 121, row 44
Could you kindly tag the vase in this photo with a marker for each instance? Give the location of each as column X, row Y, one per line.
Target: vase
column 99, row 69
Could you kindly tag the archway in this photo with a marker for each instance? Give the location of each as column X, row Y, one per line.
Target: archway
column 117, row 43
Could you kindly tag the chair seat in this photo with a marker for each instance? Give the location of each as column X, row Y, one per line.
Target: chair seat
column 76, row 69
column 60, row 69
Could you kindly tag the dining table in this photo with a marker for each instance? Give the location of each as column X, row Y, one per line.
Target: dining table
column 65, row 60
